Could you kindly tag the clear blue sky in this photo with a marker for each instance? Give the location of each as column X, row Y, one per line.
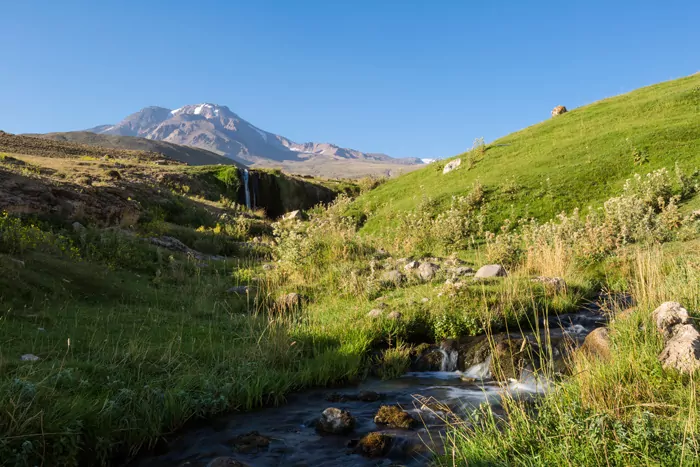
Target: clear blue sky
column 409, row 78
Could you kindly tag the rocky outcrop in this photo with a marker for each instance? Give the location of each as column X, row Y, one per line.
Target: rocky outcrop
column 450, row 166
column 682, row 349
column 335, row 421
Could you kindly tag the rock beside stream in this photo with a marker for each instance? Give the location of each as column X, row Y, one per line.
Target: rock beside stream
column 682, row 350
column 335, row 421
column 374, row 445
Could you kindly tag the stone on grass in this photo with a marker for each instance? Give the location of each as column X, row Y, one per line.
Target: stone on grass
column 294, row 215
column 29, row 357
column 682, row 350
column 376, row 313
column 78, row 227
column 392, row 277
column 335, row 421
column 554, row 283
column 395, row 315
column 450, row 166
column 597, row 343
column 558, row 110
column 462, row 271
column 490, row 270
column 411, row 265
column 427, row 271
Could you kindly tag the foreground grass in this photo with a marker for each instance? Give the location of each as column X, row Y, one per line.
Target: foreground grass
column 625, row 410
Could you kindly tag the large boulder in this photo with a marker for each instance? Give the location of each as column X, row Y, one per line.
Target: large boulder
column 450, row 166
column 682, row 350
column 335, row 421
column 490, row 270
column 597, row 343
column 558, row 110
column 510, row 357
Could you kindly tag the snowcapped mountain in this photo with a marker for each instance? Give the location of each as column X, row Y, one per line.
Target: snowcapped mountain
column 218, row 129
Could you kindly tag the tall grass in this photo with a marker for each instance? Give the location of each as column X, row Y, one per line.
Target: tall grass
column 626, row 410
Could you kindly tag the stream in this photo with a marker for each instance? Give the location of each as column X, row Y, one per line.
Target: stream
column 294, row 440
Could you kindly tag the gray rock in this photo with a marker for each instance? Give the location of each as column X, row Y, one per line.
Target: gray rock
column 490, row 270
column 78, row 227
column 29, row 357
column 169, row 243
column 424, row 300
column 555, row 283
column 335, row 421
column 450, row 166
column 461, row 271
column 411, row 265
column 682, row 350
column 395, row 315
column 427, row 271
column 239, row 289
column 376, row 313
column 392, row 276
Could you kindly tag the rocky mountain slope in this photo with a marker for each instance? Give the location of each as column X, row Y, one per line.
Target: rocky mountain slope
column 188, row 154
column 216, row 128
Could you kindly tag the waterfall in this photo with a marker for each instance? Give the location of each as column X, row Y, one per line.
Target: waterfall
column 449, row 360
column 480, row 370
column 247, row 190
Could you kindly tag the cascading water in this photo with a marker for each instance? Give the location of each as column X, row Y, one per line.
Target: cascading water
column 449, row 360
column 480, row 370
column 247, row 190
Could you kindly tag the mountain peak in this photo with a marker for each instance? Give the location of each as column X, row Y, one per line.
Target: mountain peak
column 216, row 128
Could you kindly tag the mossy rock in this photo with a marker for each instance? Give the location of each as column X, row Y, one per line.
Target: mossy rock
column 394, row 417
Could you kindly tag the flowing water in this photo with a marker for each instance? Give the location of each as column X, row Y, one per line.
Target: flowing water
column 247, row 189
column 291, row 427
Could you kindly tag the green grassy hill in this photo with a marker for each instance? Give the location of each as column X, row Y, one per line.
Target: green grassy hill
column 577, row 159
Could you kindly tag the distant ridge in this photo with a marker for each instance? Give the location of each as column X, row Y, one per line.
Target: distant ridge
column 217, row 129
column 187, row 154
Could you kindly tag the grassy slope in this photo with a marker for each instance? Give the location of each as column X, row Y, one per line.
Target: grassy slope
column 583, row 156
